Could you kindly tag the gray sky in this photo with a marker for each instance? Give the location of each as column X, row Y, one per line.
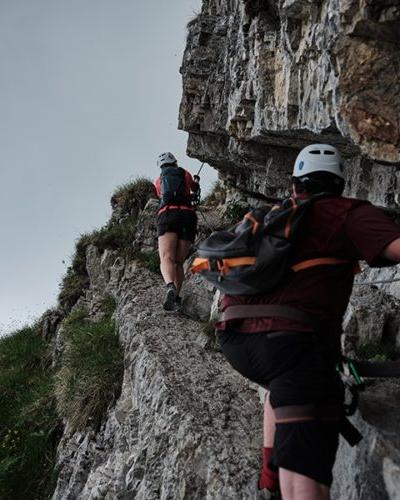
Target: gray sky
column 89, row 96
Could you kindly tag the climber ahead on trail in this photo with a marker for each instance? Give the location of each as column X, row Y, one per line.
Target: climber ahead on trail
column 176, row 224
column 287, row 273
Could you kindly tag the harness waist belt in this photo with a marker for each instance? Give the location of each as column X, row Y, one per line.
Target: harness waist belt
column 267, row 310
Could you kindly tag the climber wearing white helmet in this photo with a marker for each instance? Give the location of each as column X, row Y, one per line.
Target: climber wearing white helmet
column 176, row 224
column 295, row 356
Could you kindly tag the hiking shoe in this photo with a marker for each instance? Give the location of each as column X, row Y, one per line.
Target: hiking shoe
column 178, row 304
column 170, row 297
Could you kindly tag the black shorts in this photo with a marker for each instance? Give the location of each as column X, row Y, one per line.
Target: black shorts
column 297, row 370
column 181, row 222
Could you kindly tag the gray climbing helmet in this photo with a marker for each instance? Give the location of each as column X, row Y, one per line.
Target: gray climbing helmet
column 166, row 159
column 318, row 158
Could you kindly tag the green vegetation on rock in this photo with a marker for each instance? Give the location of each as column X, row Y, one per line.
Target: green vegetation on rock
column 117, row 235
column 133, row 196
column 90, row 376
column 29, row 426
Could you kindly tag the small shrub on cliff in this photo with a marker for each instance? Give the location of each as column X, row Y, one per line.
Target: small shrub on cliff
column 115, row 235
column 29, row 426
column 90, row 377
column 133, row 196
column 76, row 279
column 72, row 287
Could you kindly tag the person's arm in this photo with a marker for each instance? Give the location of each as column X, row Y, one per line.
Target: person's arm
column 392, row 251
column 192, row 183
column 374, row 235
column 157, row 185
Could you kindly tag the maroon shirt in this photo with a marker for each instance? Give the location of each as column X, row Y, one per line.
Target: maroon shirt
column 334, row 227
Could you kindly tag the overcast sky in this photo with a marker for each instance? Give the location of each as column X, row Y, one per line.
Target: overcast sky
column 89, row 96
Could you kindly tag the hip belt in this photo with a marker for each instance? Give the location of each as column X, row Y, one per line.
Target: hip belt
column 267, row 310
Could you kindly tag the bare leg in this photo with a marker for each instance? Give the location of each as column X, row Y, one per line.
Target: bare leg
column 295, row 486
column 167, row 247
column 268, row 478
column 182, row 251
column 269, row 423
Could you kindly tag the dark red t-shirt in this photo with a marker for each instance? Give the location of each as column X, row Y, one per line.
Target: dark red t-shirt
column 334, row 227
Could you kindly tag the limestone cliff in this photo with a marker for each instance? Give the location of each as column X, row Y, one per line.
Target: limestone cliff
column 263, row 78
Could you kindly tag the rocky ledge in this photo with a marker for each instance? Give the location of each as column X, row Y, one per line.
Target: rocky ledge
column 185, row 425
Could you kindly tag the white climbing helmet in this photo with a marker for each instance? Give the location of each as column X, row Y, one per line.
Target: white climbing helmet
column 165, row 159
column 318, row 158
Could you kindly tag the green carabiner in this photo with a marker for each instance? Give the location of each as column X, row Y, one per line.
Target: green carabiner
column 354, row 372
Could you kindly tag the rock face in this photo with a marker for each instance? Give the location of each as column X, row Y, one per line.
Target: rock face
column 371, row 470
column 180, row 428
column 262, row 79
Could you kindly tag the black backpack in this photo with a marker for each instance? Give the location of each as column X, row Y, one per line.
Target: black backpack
column 173, row 187
column 255, row 256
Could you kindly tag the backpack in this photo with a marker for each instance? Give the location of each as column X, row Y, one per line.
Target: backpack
column 254, row 256
column 173, row 187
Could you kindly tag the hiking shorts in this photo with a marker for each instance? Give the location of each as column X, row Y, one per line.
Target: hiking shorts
column 181, row 222
column 297, row 370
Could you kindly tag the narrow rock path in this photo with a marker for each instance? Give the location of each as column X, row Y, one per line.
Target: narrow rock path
column 186, row 426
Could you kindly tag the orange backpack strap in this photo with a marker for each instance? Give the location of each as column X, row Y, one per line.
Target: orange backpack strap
column 199, row 265
column 223, row 265
column 322, row 261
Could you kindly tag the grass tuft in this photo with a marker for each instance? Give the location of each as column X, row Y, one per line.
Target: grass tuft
column 29, row 426
column 133, row 196
column 115, row 235
column 90, row 377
